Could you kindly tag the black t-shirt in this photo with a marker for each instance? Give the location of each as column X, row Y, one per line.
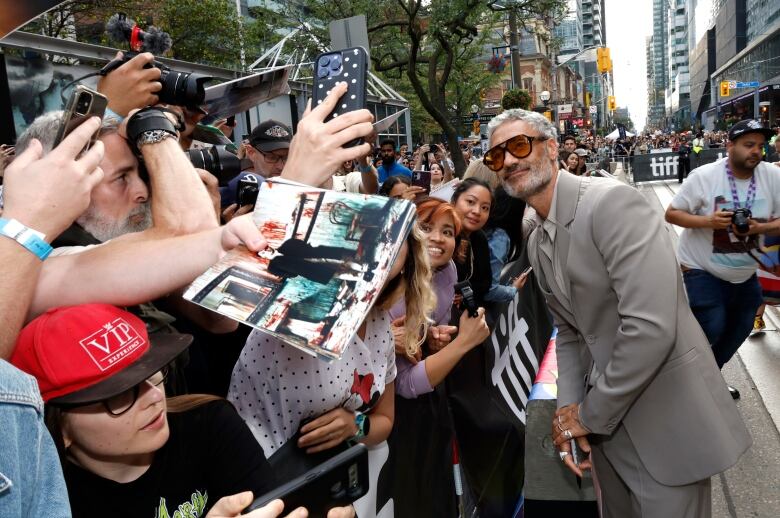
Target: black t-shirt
column 210, row 454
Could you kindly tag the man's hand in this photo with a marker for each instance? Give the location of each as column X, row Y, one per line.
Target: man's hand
column 440, row 336
column 234, row 211
column 755, row 227
column 567, row 419
column 720, row 219
column 242, row 231
column 232, row 506
column 316, row 149
column 47, row 194
column 212, row 187
column 328, row 430
column 131, row 85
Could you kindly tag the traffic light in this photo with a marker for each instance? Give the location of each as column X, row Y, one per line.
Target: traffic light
column 603, row 60
column 611, row 103
column 724, row 89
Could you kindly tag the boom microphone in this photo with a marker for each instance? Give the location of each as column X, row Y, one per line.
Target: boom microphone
column 120, row 29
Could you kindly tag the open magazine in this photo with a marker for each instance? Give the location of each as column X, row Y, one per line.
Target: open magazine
column 328, row 256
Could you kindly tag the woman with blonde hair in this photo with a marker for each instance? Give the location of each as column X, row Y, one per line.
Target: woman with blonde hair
column 298, row 405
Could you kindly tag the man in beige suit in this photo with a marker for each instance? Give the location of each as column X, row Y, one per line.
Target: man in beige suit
column 636, row 377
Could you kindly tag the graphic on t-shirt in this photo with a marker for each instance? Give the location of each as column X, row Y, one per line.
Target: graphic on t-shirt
column 729, row 249
column 361, row 387
column 192, row 509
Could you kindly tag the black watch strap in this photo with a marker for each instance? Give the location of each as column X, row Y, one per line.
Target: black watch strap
column 150, row 119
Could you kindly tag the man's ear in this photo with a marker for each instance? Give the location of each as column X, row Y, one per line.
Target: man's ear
column 552, row 149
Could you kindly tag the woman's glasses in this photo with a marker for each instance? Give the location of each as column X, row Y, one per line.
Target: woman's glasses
column 121, row 403
column 519, row 146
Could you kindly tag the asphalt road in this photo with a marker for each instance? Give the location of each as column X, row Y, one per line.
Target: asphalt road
column 751, row 488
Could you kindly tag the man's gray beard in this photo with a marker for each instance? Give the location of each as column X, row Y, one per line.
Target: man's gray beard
column 541, row 175
column 104, row 228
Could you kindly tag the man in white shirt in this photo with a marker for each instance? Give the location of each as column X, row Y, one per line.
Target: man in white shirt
column 725, row 207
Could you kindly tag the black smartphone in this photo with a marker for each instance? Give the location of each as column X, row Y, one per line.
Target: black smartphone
column 335, row 483
column 83, row 104
column 422, row 179
column 350, row 66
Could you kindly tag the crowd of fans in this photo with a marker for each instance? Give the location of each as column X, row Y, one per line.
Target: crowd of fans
column 144, row 399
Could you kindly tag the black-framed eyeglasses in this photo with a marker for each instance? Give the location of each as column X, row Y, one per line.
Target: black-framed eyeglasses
column 520, row 146
column 271, row 158
column 121, row 403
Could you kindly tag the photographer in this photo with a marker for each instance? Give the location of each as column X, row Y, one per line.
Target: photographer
column 724, row 207
column 131, row 86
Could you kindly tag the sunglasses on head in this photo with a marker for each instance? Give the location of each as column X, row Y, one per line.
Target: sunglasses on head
column 520, row 146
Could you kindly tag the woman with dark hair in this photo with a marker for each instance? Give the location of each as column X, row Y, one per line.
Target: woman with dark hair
column 400, row 187
column 505, row 231
column 126, row 450
column 472, row 200
column 572, row 162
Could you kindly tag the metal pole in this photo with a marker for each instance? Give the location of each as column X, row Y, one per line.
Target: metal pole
column 514, row 49
column 756, row 94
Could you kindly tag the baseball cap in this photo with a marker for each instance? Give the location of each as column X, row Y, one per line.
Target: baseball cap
column 270, row 136
column 748, row 126
column 89, row 353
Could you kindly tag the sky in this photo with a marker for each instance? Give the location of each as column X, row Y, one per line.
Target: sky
column 628, row 23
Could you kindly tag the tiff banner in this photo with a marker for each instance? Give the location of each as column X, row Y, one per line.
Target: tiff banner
column 663, row 166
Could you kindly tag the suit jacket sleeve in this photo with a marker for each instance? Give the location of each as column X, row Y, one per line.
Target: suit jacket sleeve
column 642, row 269
column 571, row 367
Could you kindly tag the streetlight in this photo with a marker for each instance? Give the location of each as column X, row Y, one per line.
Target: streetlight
column 545, row 97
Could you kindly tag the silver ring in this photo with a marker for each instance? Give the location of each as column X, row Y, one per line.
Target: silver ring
column 562, row 454
column 567, row 434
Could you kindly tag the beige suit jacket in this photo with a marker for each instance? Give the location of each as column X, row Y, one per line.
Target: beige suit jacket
column 628, row 347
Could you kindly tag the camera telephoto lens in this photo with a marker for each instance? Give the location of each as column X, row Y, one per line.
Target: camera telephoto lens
column 324, row 60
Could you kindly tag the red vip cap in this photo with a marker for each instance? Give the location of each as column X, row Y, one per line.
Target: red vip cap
column 89, row 353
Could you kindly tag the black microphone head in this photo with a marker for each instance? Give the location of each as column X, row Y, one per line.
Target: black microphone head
column 156, row 41
column 119, row 27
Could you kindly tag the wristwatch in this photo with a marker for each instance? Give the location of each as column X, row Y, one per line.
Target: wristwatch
column 363, row 425
column 150, row 126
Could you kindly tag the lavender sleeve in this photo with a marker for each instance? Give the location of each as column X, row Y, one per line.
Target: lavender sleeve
column 411, row 380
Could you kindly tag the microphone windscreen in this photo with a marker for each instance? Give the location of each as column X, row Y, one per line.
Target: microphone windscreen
column 156, row 41
column 119, row 28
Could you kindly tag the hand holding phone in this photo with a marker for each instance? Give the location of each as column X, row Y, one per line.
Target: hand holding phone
column 83, row 104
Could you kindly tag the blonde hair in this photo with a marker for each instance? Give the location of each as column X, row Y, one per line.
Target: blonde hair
column 480, row 171
column 414, row 284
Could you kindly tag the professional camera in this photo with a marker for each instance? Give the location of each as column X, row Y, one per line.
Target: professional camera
column 741, row 220
column 248, row 188
column 178, row 88
column 463, row 289
column 217, row 160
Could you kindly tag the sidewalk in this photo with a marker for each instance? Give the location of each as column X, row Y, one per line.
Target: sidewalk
column 752, row 487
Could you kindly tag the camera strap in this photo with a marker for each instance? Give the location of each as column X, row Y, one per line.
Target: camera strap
column 751, row 193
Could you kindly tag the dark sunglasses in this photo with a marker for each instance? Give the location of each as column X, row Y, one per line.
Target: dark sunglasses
column 520, row 146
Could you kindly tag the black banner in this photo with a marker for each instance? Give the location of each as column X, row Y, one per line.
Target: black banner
column 483, row 403
column 663, row 166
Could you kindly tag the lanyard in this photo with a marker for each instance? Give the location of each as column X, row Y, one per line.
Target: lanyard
column 751, row 193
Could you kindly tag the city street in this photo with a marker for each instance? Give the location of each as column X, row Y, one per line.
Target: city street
column 749, row 489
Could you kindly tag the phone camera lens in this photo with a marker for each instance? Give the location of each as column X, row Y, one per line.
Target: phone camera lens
column 322, row 72
column 335, row 63
column 324, row 60
column 82, row 105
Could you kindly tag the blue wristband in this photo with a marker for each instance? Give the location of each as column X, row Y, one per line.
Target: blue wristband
column 31, row 239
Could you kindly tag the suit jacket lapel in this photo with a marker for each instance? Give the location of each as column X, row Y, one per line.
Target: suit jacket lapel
column 569, row 191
